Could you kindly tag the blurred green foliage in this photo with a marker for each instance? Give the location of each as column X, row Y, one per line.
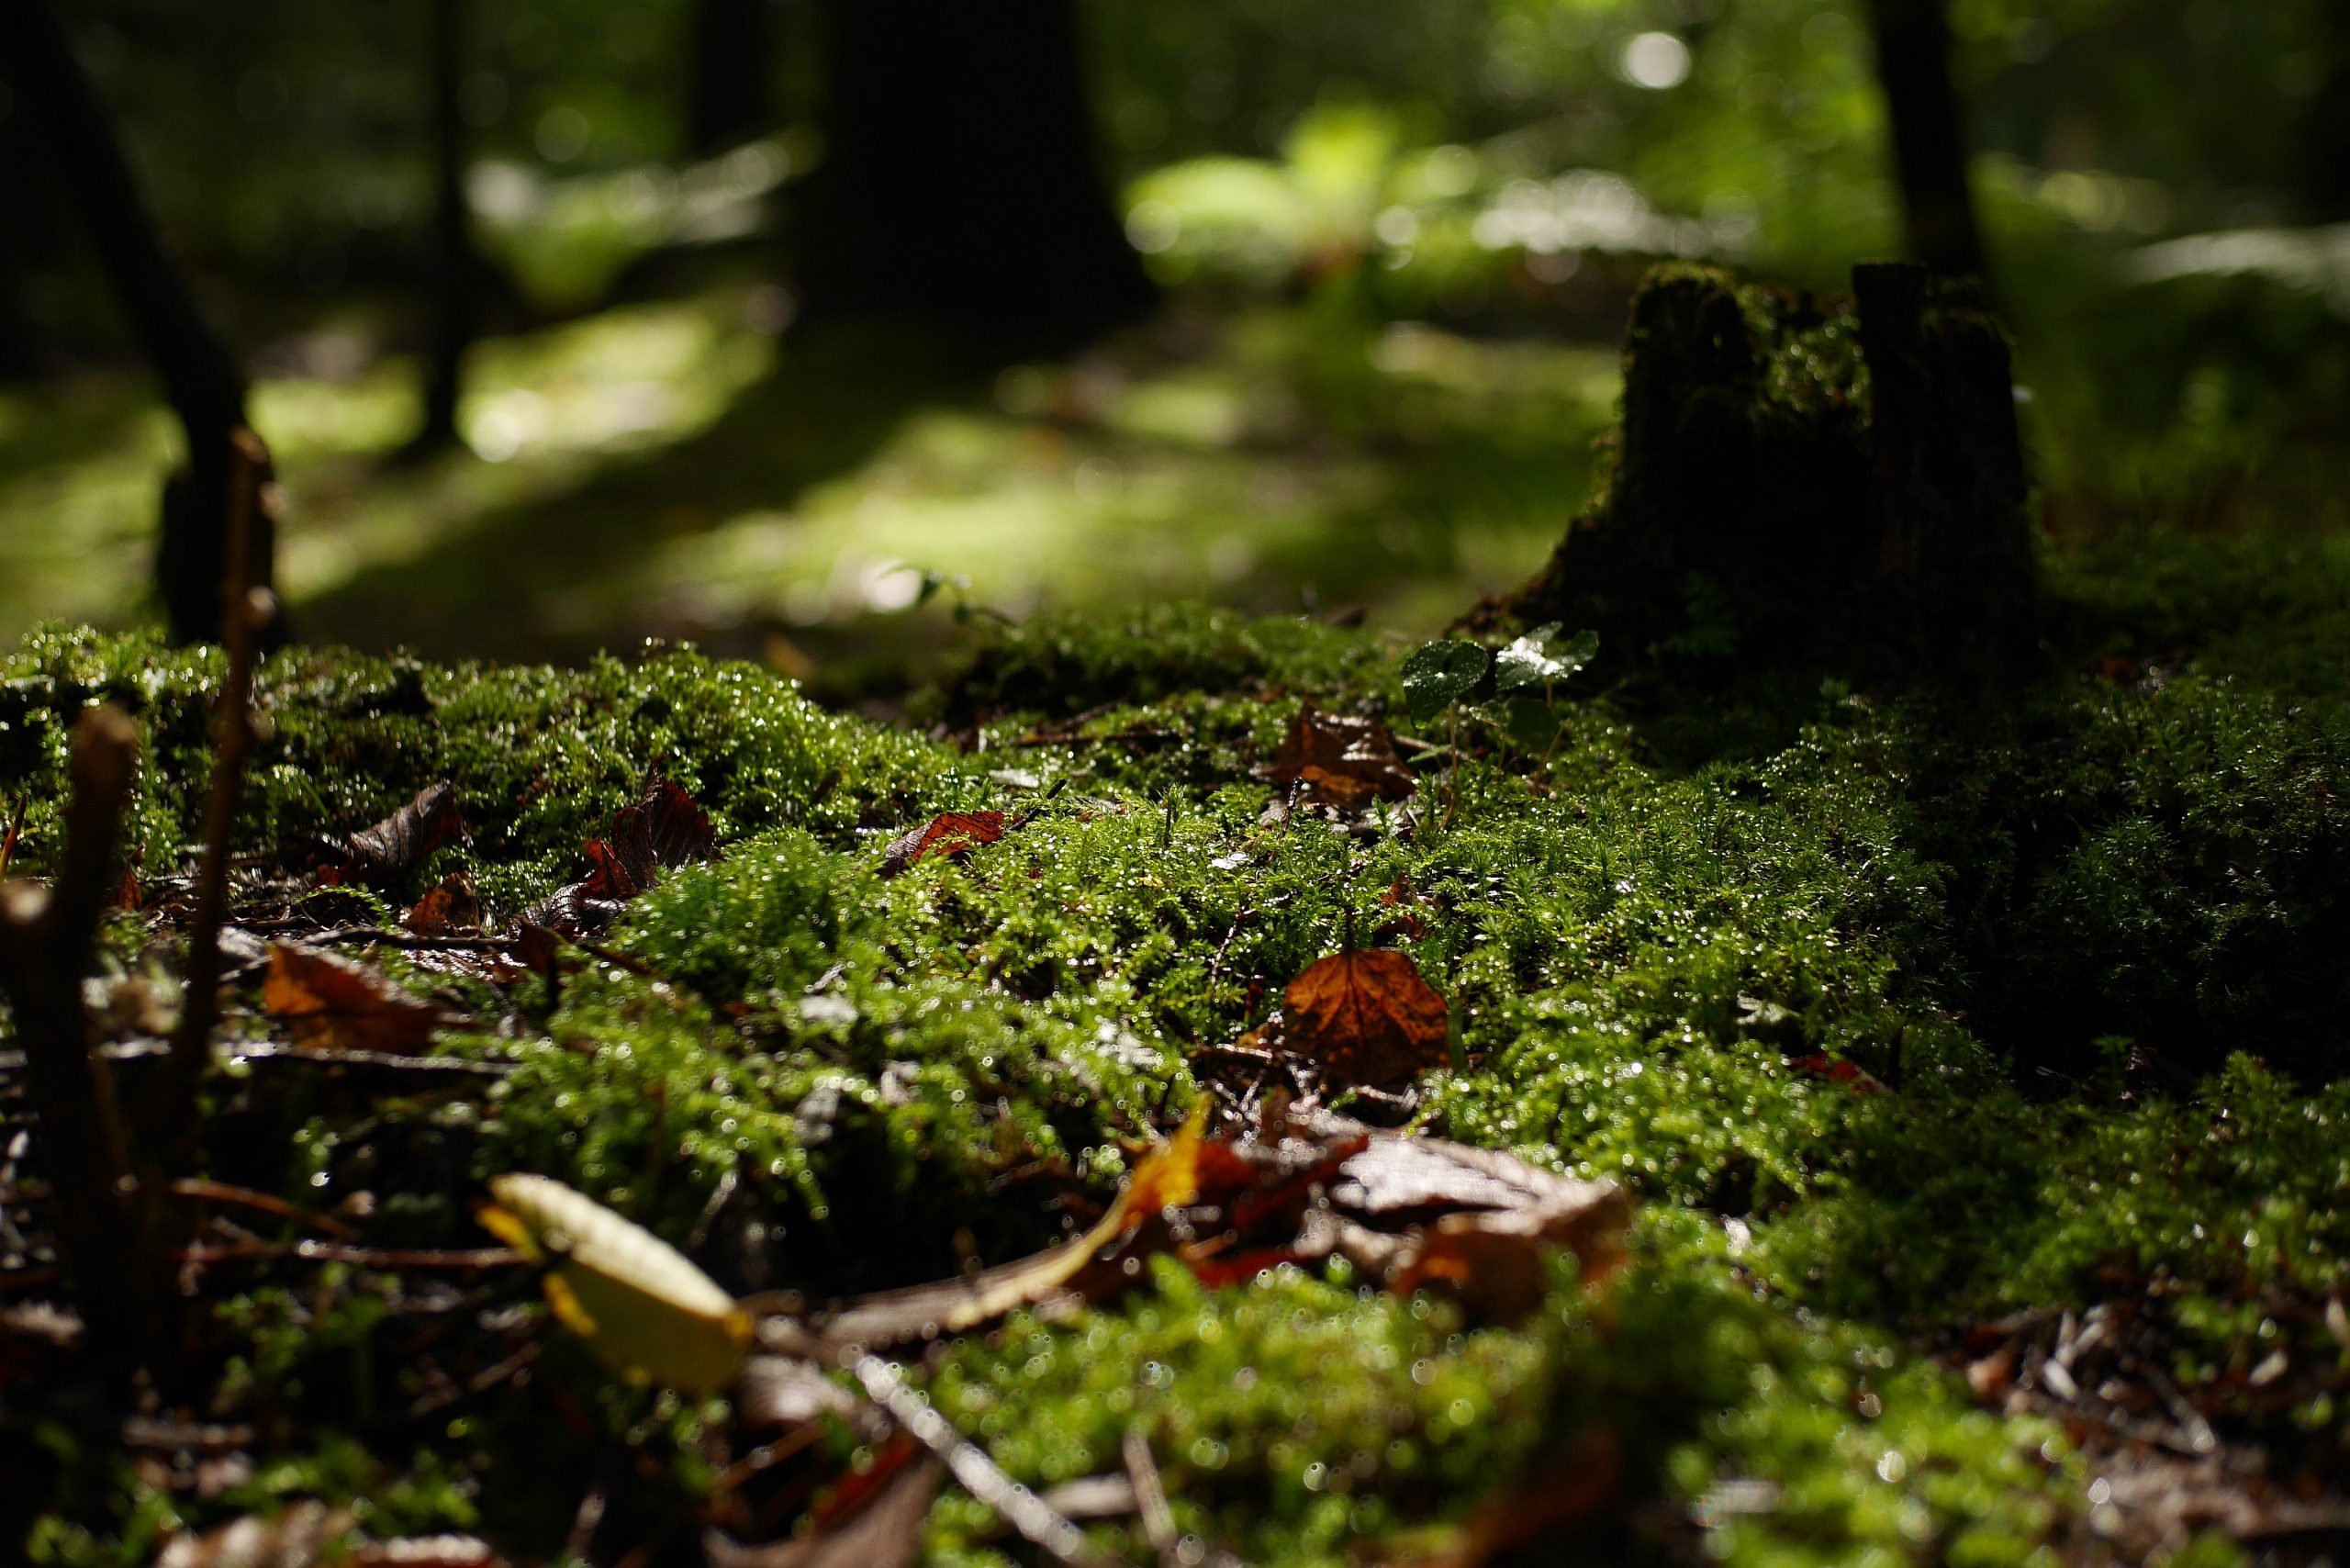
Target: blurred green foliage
column 1413, row 199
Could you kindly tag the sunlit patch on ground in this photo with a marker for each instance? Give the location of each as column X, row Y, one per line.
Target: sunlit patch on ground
column 674, row 470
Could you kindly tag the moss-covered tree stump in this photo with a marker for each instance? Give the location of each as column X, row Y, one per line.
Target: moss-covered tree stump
column 1795, row 484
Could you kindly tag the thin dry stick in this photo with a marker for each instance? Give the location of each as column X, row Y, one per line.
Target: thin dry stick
column 1216, row 965
column 232, row 737
column 1041, row 1524
column 1150, row 1497
column 459, row 1258
column 104, row 1221
column 1044, row 1526
column 245, row 1197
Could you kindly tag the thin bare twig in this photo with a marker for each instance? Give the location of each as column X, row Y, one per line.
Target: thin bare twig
column 364, row 1257
column 1043, row 1526
column 1216, row 965
column 242, row 619
column 977, row 1474
column 1150, row 1497
column 261, row 1203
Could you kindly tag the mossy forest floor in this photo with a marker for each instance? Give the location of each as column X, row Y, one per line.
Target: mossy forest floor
column 1981, row 1070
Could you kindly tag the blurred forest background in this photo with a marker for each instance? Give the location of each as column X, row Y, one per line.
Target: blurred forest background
column 549, row 308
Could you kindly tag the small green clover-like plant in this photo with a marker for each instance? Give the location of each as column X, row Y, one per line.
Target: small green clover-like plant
column 1530, row 661
column 1438, row 675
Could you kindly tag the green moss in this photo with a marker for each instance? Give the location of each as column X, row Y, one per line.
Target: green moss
column 542, row 757
column 1672, row 971
column 1292, row 1419
column 1064, row 663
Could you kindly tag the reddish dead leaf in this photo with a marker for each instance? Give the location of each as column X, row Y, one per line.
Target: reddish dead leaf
column 1343, row 760
column 383, row 855
column 948, row 834
column 665, row 829
column 1410, row 1212
column 452, row 907
column 333, row 1005
column 1368, row 1019
column 1836, row 1069
column 1406, row 921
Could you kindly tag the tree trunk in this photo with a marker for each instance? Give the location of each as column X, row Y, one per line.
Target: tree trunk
column 732, row 68
column 27, row 228
column 959, row 180
column 1795, row 487
column 455, row 267
column 1928, row 135
column 204, row 384
column 2324, row 172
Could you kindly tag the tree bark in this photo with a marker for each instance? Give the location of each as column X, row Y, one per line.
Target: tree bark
column 959, row 181
column 203, row 382
column 732, row 68
column 455, row 267
column 1928, row 135
column 2324, row 170
column 1774, row 500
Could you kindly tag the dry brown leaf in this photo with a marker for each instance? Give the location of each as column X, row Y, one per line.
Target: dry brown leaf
column 1367, row 1019
column 452, row 906
column 949, row 834
column 1343, row 760
column 332, row 1005
column 1407, row 921
column 1483, row 1222
column 1413, row 1213
column 665, row 829
column 384, row 854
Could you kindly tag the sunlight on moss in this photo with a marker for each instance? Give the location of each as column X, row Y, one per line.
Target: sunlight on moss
column 1445, row 470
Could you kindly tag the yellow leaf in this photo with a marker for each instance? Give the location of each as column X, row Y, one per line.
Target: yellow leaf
column 647, row 1312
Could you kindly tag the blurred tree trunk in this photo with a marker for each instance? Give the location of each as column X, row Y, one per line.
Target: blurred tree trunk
column 204, row 382
column 2325, row 123
column 1928, row 134
column 28, row 226
column 455, row 269
column 18, row 355
column 732, row 41
column 959, row 180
